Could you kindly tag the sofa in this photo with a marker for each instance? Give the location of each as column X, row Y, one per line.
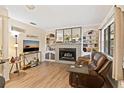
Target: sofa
column 98, row 68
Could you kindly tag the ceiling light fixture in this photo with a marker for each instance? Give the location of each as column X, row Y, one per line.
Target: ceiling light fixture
column 30, row 7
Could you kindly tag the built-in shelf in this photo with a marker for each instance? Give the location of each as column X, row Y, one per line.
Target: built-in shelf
column 90, row 40
column 50, row 47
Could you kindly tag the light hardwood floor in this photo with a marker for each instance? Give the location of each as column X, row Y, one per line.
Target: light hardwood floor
column 46, row 75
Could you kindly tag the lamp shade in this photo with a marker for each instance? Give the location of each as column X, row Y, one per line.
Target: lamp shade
column 15, row 45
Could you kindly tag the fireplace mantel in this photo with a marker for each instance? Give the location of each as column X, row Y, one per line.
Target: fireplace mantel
column 79, row 44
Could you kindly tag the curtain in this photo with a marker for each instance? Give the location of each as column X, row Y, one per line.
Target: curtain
column 100, row 39
column 118, row 44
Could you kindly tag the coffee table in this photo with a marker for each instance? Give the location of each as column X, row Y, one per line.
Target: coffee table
column 78, row 69
column 74, row 74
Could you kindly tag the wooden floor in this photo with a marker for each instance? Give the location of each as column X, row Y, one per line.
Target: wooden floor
column 46, row 75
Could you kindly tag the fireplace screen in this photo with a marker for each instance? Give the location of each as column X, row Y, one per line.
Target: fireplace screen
column 68, row 54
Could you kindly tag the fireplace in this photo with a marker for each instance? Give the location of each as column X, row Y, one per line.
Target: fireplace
column 68, row 54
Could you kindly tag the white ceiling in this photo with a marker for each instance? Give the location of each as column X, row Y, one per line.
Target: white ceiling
column 58, row 16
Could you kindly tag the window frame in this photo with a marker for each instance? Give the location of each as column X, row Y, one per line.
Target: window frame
column 107, row 36
column 71, row 32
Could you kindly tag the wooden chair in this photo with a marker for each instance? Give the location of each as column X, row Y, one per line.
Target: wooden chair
column 17, row 62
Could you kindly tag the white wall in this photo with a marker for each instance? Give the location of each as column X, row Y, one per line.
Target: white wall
column 29, row 30
column 4, row 67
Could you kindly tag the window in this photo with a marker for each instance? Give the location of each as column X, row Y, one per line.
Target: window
column 69, row 35
column 76, row 34
column 109, row 39
column 106, row 40
column 59, row 35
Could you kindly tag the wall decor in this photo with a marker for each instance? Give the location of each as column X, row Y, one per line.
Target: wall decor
column 30, row 45
column 32, row 36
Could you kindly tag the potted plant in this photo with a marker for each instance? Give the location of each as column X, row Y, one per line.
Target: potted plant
column 67, row 38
